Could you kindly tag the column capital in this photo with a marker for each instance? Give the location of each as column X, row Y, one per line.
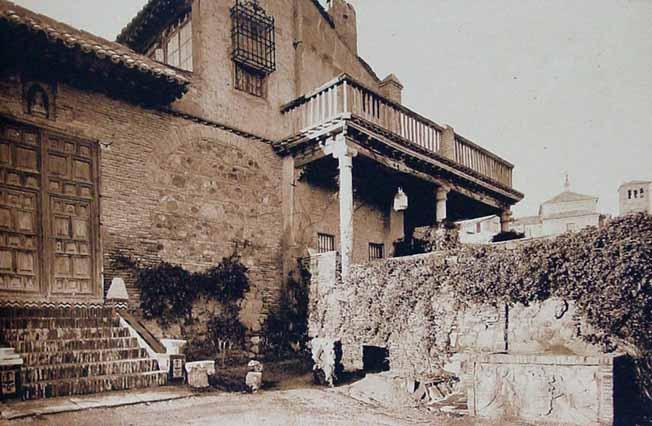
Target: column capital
column 339, row 148
column 442, row 193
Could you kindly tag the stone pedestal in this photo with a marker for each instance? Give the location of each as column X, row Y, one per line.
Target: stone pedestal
column 198, row 373
column 254, row 381
column 327, row 356
column 174, row 346
column 10, row 364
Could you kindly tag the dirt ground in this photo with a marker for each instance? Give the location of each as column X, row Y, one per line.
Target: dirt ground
column 274, row 407
column 289, row 398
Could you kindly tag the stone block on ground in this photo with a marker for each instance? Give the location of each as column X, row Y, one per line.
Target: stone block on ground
column 255, row 366
column 544, row 388
column 198, row 373
column 254, row 381
column 327, row 358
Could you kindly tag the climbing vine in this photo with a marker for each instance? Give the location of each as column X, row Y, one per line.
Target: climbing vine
column 168, row 291
column 606, row 272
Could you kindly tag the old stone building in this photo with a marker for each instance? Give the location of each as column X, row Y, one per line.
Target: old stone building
column 210, row 127
column 567, row 211
column 634, row 197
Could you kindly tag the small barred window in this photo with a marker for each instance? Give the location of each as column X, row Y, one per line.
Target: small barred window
column 376, row 251
column 249, row 81
column 326, row 243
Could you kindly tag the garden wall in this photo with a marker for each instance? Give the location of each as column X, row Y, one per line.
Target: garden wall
column 423, row 335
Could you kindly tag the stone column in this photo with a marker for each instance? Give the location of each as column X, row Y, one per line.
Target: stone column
column 287, row 192
column 505, row 220
column 442, row 198
column 339, row 149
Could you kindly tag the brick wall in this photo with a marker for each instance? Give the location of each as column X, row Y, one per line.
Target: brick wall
column 172, row 190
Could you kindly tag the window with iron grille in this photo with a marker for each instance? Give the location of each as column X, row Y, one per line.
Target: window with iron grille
column 325, row 243
column 249, row 81
column 376, row 251
column 253, row 37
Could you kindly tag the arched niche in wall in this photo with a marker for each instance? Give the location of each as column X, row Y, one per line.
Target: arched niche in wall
column 39, row 99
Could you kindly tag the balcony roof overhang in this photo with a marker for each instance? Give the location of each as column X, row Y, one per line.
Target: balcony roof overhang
column 397, row 153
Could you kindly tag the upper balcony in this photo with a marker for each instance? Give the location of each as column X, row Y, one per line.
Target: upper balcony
column 345, row 100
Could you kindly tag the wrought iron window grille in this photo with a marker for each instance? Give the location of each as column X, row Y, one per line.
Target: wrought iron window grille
column 253, row 37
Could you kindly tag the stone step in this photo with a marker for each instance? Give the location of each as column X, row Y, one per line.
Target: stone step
column 39, row 334
column 63, row 345
column 31, row 323
column 39, row 359
column 45, row 312
column 34, row 374
column 97, row 384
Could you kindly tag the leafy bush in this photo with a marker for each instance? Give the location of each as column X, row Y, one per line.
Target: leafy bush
column 226, row 332
column 228, row 281
column 168, row 292
column 165, row 292
column 286, row 328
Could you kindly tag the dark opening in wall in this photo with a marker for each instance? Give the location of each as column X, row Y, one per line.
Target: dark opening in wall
column 375, row 359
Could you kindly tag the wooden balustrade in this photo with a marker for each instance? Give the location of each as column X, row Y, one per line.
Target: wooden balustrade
column 482, row 161
column 345, row 96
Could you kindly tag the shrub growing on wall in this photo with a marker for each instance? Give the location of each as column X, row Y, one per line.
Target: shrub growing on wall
column 166, row 292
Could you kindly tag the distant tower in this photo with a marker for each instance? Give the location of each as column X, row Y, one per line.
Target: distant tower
column 567, row 184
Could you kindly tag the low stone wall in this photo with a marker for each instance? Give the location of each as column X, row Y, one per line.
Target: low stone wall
column 421, row 341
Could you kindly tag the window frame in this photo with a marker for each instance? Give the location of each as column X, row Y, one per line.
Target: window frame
column 160, row 51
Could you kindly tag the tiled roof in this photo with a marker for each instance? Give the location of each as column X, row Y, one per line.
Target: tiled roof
column 72, row 38
column 568, row 196
column 152, row 18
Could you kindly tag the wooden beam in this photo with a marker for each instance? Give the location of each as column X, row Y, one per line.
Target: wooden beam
column 422, row 157
column 401, row 166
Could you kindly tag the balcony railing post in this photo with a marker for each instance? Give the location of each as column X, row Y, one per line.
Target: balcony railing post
column 447, row 148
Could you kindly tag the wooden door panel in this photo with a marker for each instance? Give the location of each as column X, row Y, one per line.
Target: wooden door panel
column 72, row 245
column 20, row 243
column 71, row 207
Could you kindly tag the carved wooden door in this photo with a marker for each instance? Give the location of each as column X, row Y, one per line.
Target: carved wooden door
column 20, row 185
column 48, row 216
column 69, row 224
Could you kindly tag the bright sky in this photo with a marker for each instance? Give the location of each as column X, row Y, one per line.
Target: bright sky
column 553, row 86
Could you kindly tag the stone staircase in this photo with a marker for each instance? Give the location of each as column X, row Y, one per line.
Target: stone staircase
column 76, row 351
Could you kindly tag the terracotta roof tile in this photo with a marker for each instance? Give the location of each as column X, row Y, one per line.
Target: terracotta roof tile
column 88, row 43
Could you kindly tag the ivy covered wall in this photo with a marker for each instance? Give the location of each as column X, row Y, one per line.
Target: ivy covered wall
column 582, row 293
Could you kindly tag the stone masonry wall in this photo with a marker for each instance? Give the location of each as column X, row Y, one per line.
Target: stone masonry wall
column 424, row 340
column 317, row 210
column 309, row 53
column 172, row 190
